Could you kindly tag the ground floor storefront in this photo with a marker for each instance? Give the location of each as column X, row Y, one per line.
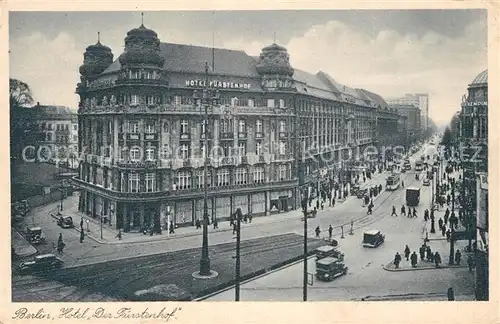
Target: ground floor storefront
column 137, row 215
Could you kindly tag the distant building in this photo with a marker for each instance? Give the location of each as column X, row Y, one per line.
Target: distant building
column 57, row 132
column 419, row 100
column 412, row 114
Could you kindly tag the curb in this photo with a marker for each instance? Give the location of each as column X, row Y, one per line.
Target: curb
column 386, row 267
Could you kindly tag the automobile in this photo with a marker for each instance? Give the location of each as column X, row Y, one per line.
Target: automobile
column 373, row 238
column 65, row 222
column 354, row 189
column 426, row 182
column 330, row 268
column 328, row 251
column 42, row 262
column 35, row 235
column 361, row 193
column 403, row 170
column 407, row 166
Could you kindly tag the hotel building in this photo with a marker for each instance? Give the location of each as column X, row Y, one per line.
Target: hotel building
column 141, row 132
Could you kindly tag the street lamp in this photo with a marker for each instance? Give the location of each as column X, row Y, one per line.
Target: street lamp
column 452, row 222
column 208, row 98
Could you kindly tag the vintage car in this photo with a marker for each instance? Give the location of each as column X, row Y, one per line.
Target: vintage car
column 330, row 268
column 362, row 192
column 328, row 251
column 65, row 222
column 43, row 262
column 34, row 235
column 354, row 189
column 426, row 182
column 373, row 238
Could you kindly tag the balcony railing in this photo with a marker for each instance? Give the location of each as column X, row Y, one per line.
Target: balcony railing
column 185, row 137
column 226, row 136
column 139, row 164
column 242, row 135
column 259, row 135
column 142, row 81
column 133, row 136
column 151, row 136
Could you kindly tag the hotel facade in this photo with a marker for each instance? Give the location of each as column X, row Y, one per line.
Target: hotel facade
column 274, row 130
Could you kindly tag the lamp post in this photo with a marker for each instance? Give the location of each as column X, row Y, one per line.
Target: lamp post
column 62, row 195
column 304, row 208
column 452, row 222
column 207, row 99
column 238, row 257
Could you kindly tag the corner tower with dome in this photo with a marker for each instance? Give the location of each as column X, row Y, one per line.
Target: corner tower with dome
column 142, row 132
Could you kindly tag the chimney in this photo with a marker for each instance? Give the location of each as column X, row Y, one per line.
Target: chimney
column 38, row 104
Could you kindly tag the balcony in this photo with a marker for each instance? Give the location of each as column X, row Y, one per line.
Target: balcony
column 151, row 137
column 202, row 135
column 185, row 137
column 139, row 164
column 283, row 134
column 259, row 135
column 133, row 137
column 149, row 82
column 226, row 136
column 242, row 135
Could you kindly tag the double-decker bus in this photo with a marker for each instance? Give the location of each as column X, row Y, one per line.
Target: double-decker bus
column 419, row 166
column 393, row 182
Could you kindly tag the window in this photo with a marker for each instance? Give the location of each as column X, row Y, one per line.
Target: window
column 99, row 177
column 282, row 126
column 133, row 182
column 241, row 176
column 242, row 148
column 226, row 149
column 165, row 127
column 122, row 181
column 184, row 151
column 258, row 126
column 202, row 149
column 223, row 177
column 150, row 100
column 258, row 175
column 184, row 126
column 270, row 103
column 150, row 154
column 135, row 154
column 224, row 126
column 49, row 126
column 134, row 127
column 251, row 103
column 135, row 74
column 183, row 180
column 282, row 103
column 282, row 172
column 203, row 126
column 49, row 137
column 258, row 148
column 150, row 182
column 150, row 129
column 241, row 126
column 134, row 100
column 234, row 101
column 201, row 183
column 75, row 138
column 177, row 100
column 282, row 148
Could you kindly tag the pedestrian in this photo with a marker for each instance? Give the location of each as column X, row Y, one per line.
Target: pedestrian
column 333, row 202
column 403, row 210
column 82, row 236
column 234, row 227
column 414, row 212
column 422, row 252
column 216, row 224
column 437, row 259
column 369, row 212
column 429, row 254
column 402, row 184
column 245, row 218
column 81, row 223
column 448, row 199
column 119, row 235
column 60, row 239
column 470, row 262
column 60, row 246
column 432, row 214
column 448, row 235
column 394, row 211
column 446, row 216
column 198, row 224
column 317, row 203
column 330, row 231
column 171, row 227
column 250, row 218
column 414, row 259
column 443, row 230
column 397, row 260
column 458, row 257
column 322, row 206
column 231, row 220
column 379, row 188
column 318, row 231
column 440, row 223
column 407, row 252
column 451, row 294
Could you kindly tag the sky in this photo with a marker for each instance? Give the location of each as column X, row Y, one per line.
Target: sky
column 389, row 52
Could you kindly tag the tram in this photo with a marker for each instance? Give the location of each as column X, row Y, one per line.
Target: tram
column 393, row 182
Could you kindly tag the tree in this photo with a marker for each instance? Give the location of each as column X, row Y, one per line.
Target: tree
column 20, row 98
column 447, row 140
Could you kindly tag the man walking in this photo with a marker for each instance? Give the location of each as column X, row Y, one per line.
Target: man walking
column 403, row 210
column 394, row 211
column 330, row 231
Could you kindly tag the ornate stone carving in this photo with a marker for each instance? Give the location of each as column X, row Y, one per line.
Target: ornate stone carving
column 93, row 102
column 112, row 101
column 105, row 101
column 87, row 103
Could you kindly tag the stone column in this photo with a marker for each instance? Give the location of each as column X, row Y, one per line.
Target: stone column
column 141, row 215
column 267, row 197
column 114, row 144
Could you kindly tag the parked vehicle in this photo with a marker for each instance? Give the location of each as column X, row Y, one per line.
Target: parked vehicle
column 373, row 238
column 419, row 166
column 43, row 262
column 361, row 193
column 65, row 222
column 35, row 235
column 330, row 268
column 412, row 196
column 328, row 251
column 426, row 182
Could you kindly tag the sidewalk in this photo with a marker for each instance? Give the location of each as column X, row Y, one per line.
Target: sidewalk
column 109, row 234
column 21, row 247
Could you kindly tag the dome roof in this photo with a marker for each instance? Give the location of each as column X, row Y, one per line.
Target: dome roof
column 481, row 78
column 142, row 31
column 274, row 47
column 98, row 47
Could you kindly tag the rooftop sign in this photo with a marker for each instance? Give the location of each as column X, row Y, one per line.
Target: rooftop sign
column 217, row 84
